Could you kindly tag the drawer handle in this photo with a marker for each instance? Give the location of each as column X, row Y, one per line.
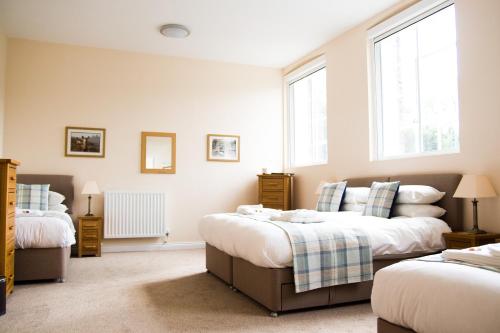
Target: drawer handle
column 11, row 203
column 12, row 178
column 90, row 246
column 11, row 252
column 11, row 227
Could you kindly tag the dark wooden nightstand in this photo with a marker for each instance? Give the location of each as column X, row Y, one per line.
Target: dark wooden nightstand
column 89, row 236
column 462, row 240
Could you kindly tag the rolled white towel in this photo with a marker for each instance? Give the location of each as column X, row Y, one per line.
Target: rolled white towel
column 249, row 209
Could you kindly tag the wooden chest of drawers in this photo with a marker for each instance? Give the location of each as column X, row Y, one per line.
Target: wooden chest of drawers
column 7, row 221
column 89, row 236
column 276, row 191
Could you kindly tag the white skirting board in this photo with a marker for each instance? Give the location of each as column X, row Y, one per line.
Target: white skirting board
column 153, row 247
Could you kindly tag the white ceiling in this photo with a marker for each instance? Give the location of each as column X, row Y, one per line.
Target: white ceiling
column 270, row 33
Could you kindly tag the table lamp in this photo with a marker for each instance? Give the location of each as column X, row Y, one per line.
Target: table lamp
column 90, row 188
column 475, row 186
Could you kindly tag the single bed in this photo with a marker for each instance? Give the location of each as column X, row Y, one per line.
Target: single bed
column 422, row 296
column 273, row 286
column 52, row 262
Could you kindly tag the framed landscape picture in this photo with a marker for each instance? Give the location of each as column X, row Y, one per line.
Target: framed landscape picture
column 223, row 148
column 85, row 142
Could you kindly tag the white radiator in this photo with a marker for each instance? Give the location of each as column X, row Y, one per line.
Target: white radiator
column 134, row 214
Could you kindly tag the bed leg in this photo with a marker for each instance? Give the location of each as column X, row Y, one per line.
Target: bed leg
column 273, row 314
column 60, row 280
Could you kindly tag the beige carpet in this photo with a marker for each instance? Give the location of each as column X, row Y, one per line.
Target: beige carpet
column 166, row 291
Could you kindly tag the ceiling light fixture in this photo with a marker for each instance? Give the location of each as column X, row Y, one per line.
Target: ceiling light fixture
column 174, row 31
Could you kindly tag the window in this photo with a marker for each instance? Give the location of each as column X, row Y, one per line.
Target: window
column 306, row 99
column 415, row 83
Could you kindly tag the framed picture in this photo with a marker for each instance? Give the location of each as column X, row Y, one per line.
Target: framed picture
column 223, row 148
column 85, row 142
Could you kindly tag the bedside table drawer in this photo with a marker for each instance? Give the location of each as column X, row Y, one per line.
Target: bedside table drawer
column 270, row 184
column 90, row 234
column 457, row 244
column 90, row 246
column 90, row 224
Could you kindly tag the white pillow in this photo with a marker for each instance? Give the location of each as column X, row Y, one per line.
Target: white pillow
column 352, row 207
column 55, row 198
column 418, row 194
column 58, row 208
column 356, row 195
column 417, row 210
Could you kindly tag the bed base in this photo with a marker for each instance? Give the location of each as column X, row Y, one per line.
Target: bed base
column 383, row 326
column 274, row 287
column 41, row 264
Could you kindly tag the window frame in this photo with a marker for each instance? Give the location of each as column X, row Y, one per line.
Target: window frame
column 404, row 19
column 295, row 75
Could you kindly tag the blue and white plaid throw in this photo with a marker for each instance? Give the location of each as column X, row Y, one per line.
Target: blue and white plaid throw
column 323, row 258
column 32, row 196
column 331, row 196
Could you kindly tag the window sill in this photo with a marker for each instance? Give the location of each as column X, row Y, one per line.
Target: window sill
column 417, row 155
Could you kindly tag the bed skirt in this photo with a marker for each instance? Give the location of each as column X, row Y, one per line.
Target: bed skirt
column 41, row 264
column 274, row 287
column 383, row 326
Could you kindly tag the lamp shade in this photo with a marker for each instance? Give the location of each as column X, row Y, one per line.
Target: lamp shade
column 90, row 187
column 475, row 186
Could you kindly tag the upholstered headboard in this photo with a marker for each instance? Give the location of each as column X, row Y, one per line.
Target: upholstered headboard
column 58, row 183
column 444, row 182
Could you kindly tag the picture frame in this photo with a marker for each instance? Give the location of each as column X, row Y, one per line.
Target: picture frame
column 85, row 142
column 223, row 148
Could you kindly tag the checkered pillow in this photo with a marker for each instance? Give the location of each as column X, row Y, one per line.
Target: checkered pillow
column 32, row 196
column 381, row 198
column 331, row 197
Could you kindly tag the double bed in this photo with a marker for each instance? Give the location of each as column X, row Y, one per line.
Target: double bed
column 43, row 249
column 255, row 258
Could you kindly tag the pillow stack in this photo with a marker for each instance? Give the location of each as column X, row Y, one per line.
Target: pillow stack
column 38, row 197
column 417, row 200
column 384, row 200
column 56, row 202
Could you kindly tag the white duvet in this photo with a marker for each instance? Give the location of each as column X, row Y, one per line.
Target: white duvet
column 44, row 229
column 438, row 297
column 267, row 245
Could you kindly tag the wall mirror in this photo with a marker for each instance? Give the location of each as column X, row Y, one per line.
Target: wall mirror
column 157, row 152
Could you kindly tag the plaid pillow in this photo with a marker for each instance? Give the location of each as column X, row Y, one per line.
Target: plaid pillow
column 331, row 197
column 32, row 196
column 381, row 198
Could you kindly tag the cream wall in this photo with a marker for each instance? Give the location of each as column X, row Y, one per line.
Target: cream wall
column 3, row 60
column 51, row 86
column 478, row 32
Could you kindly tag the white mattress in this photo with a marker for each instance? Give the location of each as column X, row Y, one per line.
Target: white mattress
column 53, row 229
column 267, row 245
column 438, row 297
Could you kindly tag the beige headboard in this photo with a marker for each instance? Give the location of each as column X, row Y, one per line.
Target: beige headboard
column 444, row 182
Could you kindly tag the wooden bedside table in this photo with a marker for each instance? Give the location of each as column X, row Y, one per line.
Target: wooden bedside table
column 89, row 236
column 462, row 240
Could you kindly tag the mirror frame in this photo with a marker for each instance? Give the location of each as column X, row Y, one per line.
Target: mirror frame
column 144, row 136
